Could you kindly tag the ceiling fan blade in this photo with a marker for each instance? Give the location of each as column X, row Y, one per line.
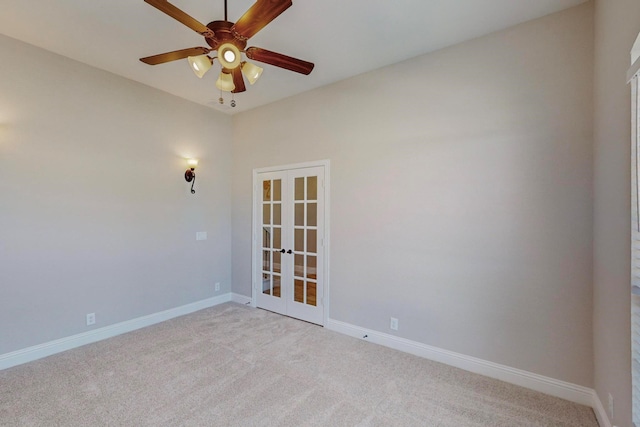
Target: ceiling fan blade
column 238, row 80
column 175, row 55
column 279, row 60
column 258, row 16
column 179, row 15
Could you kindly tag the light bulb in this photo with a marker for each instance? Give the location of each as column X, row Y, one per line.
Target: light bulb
column 229, row 56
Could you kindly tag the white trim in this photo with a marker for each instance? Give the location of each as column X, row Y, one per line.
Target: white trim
column 254, row 238
column 327, row 242
column 304, row 165
column 565, row 390
column 39, row 351
column 598, row 409
column 241, row 299
column 635, row 60
column 633, row 70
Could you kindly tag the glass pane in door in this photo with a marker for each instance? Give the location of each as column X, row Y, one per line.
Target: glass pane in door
column 266, row 213
column 298, row 290
column 299, row 189
column 312, row 188
column 277, row 238
column 311, row 293
column 277, row 262
column 311, row 267
column 266, row 284
column 312, row 243
column 266, row 191
column 277, row 214
column 298, row 244
column 299, row 214
column 276, row 286
column 266, row 237
column 277, row 190
column 312, row 214
column 298, row 267
column 266, row 260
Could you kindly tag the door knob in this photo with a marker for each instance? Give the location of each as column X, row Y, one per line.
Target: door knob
column 289, row 251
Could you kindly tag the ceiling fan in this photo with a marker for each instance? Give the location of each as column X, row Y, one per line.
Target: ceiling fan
column 230, row 40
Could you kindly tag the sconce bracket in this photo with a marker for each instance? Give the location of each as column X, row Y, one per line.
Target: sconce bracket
column 189, row 176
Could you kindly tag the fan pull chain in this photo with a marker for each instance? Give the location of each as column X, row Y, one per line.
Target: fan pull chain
column 233, row 100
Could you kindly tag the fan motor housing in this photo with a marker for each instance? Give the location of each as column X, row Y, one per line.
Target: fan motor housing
column 222, row 31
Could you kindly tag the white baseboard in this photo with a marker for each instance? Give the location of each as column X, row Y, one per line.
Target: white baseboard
column 39, row 351
column 240, row 299
column 601, row 413
column 572, row 392
column 553, row 387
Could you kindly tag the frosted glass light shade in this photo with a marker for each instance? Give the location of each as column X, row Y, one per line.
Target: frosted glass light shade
column 229, row 56
column 200, row 64
column 251, row 71
column 225, row 82
column 192, row 163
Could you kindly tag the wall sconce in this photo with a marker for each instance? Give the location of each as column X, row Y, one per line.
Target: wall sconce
column 190, row 174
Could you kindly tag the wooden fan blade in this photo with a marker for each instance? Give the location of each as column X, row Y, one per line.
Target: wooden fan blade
column 238, row 80
column 257, row 17
column 175, row 55
column 179, row 15
column 279, row 60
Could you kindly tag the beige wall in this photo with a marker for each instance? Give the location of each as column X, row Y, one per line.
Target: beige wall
column 617, row 23
column 95, row 215
column 461, row 194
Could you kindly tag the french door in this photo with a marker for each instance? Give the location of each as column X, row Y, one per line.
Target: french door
column 289, row 242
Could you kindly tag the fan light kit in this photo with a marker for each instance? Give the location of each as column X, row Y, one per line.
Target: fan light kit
column 230, row 40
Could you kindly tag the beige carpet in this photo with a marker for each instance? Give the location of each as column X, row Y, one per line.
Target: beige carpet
column 235, row 366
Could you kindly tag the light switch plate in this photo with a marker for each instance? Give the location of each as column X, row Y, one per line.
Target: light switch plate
column 201, row 235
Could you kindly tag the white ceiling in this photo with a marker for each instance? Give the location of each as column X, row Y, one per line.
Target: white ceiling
column 342, row 37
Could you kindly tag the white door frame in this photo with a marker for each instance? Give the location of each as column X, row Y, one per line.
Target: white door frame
column 257, row 226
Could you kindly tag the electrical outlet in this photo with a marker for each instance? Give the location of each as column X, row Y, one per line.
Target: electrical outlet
column 91, row 319
column 610, row 406
column 217, row 286
column 393, row 324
